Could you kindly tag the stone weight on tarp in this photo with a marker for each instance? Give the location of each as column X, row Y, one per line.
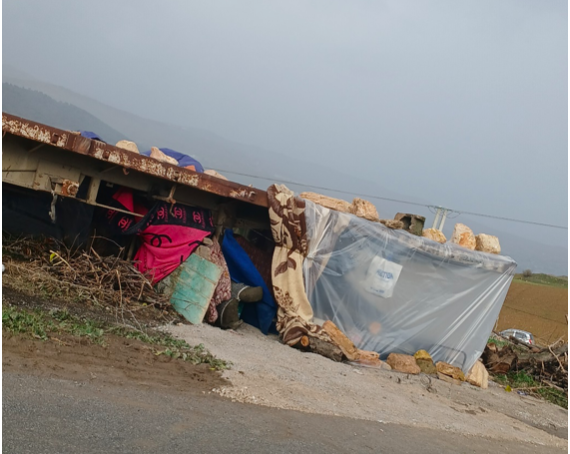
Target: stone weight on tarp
column 425, row 362
column 403, row 363
column 478, row 376
column 413, row 223
column 435, row 235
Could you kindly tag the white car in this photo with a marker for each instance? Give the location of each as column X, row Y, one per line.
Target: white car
column 523, row 336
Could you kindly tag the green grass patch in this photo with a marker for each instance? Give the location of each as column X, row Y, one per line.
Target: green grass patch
column 32, row 323
column 522, row 381
column 543, row 279
column 498, row 342
column 43, row 325
column 174, row 348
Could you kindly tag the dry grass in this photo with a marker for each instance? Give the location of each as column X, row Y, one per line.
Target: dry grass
column 52, row 271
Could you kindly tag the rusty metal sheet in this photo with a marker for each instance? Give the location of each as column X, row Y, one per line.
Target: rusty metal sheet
column 69, row 188
column 130, row 161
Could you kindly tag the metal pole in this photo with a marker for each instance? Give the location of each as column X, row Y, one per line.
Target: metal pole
column 445, row 210
column 436, row 219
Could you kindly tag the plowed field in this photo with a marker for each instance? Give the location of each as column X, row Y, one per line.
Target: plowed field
column 539, row 309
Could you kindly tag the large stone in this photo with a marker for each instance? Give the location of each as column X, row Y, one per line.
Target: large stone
column 478, row 376
column 449, row 370
column 403, row 363
column 449, row 379
column 422, row 354
column 347, row 346
column 487, row 243
column 463, row 236
column 392, row 223
column 160, row 156
column 425, row 362
column 413, row 223
column 364, row 209
column 215, row 174
column 435, row 235
column 128, row 145
column 327, row 202
column 365, row 360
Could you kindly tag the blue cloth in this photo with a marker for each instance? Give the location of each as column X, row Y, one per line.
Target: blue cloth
column 91, row 135
column 183, row 159
column 242, row 269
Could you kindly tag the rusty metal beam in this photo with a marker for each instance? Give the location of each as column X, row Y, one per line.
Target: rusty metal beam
column 43, row 134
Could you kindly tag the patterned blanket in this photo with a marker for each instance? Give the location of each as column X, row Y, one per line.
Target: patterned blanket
column 294, row 315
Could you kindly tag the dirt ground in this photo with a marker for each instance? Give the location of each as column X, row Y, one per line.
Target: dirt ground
column 539, row 309
column 266, row 372
column 120, row 362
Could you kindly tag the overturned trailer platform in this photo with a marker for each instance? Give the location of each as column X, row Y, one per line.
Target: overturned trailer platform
column 42, row 158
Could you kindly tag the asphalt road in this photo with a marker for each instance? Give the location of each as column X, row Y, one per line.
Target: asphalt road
column 43, row 415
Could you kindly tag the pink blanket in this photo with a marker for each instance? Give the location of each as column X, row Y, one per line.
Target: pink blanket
column 164, row 248
column 169, row 233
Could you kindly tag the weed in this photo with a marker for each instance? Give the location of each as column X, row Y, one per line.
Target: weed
column 498, row 342
column 59, row 321
column 522, row 381
column 173, row 348
column 26, row 322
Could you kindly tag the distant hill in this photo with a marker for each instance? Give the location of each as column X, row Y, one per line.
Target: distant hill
column 57, row 106
column 39, row 107
column 212, row 150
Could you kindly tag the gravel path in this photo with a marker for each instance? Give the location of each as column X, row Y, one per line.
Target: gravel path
column 266, row 372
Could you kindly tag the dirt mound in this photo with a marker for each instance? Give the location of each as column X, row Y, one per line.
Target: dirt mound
column 539, row 309
column 121, row 362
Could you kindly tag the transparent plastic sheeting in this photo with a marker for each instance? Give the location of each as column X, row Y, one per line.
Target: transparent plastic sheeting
column 393, row 292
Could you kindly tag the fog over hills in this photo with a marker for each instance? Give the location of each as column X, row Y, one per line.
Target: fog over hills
column 28, row 97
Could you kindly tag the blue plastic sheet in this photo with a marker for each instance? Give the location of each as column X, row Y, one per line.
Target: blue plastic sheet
column 183, row 159
column 91, row 135
column 262, row 313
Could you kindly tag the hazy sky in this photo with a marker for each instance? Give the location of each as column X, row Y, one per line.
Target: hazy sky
column 464, row 103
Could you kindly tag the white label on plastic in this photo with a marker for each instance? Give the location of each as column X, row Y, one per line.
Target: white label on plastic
column 382, row 277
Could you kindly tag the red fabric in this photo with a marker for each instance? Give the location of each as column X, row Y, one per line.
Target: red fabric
column 164, row 247
column 125, row 197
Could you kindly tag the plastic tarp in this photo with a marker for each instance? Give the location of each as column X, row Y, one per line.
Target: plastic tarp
column 183, row 159
column 91, row 135
column 393, row 292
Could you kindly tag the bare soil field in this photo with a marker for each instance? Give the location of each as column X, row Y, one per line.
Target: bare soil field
column 540, row 309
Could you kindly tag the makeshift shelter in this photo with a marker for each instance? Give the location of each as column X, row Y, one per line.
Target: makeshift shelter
column 336, row 278
column 389, row 291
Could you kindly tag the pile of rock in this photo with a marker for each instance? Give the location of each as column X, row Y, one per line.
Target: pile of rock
column 359, row 207
column 464, row 237
column 422, row 362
